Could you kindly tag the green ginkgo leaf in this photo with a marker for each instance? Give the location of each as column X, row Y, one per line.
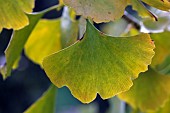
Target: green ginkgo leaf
column 100, row 10
column 50, row 36
column 46, row 103
column 159, row 4
column 149, row 92
column 13, row 15
column 99, row 64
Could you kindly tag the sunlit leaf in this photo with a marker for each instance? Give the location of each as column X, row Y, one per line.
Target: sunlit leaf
column 160, row 4
column 141, row 9
column 99, row 64
column 46, row 103
column 100, row 10
column 50, row 36
column 149, row 92
column 13, row 15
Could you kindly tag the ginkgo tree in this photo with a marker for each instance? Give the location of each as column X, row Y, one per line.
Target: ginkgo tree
column 132, row 65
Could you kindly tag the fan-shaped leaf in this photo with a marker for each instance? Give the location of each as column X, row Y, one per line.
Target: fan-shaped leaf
column 99, row 64
column 149, row 92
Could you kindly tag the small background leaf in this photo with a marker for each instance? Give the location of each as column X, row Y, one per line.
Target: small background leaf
column 149, row 92
column 45, row 104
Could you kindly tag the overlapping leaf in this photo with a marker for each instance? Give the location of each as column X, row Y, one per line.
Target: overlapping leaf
column 99, row 64
column 50, row 36
column 45, row 104
column 149, row 92
column 100, row 10
column 13, row 15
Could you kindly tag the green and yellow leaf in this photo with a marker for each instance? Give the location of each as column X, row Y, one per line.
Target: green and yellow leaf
column 99, row 64
column 149, row 92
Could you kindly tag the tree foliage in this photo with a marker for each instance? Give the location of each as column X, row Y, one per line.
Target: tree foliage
column 74, row 53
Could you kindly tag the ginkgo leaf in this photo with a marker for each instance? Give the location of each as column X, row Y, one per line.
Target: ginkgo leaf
column 46, row 103
column 159, row 4
column 13, row 15
column 100, row 10
column 50, row 36
column 149, row 92
column 162, row 49
column 99, row 64
column 142, row 10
